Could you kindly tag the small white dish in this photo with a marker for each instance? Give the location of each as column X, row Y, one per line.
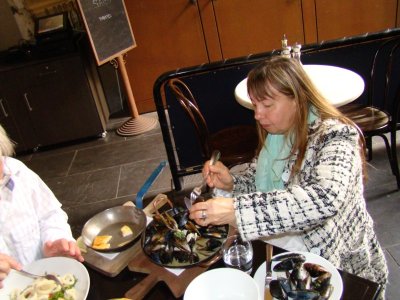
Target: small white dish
column 222, row 284
column 53, row 265
column 336, row 279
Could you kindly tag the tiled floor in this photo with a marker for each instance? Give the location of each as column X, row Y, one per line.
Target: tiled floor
column 97, row 174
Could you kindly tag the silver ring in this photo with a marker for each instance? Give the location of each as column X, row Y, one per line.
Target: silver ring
column 203, row 214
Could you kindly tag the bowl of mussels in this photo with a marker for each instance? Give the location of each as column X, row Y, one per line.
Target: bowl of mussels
column 301, row 275
column 172, row 240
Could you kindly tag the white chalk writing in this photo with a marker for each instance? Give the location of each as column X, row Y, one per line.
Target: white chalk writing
column 105, row 17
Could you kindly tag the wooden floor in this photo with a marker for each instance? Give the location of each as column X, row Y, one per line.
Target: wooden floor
column 96, row 174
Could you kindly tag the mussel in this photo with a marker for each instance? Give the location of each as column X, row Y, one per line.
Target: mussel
column 304, row 281
column 288, row 263
column 174, row 240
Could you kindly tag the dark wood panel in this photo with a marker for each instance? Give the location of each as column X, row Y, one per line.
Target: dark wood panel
column 310, row 22
column 17, row 104
column 169, row 35
column 50, row 100
column 255, row 26
column 343, row 18
column 206, row 8
column 61, row 102
column 7, row 121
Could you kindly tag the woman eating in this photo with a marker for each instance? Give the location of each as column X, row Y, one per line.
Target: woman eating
column 304, row 189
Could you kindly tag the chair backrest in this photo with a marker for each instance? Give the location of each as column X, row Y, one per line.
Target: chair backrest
column 385, row 72
column 188, row 102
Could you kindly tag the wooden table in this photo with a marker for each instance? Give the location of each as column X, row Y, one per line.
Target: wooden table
column 339, row 86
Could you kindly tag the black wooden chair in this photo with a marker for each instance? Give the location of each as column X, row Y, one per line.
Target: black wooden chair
column 380, row 116
column 237, row 144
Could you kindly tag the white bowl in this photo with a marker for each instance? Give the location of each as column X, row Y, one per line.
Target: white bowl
column 52, row 265
column 221, row 284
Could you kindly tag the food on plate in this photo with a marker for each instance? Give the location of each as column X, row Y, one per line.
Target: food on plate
column 42, row 289
column 126, row 231
column 173, row 240
column 301, row 279
column 102, row 242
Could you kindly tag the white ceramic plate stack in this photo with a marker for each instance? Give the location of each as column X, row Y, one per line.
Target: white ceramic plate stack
column 53, row 265
column 336, row 279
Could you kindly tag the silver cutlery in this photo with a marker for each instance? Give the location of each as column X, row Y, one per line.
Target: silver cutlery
column 196, row 192
column 268, row 275
column 46, row 276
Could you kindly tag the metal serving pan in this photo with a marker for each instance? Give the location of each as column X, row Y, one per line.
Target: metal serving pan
column 109, row 222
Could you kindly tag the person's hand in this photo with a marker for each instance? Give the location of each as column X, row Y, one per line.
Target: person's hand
column 218, row 176
column 215, row 211
column 6, row 264
column 62, row 247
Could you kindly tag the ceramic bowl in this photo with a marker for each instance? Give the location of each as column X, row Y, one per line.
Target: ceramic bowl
column 221, row 284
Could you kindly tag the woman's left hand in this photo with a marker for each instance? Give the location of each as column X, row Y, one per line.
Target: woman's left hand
column 215, row 211
column 62, row 247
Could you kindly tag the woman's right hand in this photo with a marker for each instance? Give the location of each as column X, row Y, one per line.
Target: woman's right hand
column 6, row 264
column 218, row 176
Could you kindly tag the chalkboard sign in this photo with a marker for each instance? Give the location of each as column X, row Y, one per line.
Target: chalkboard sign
column 108, row 27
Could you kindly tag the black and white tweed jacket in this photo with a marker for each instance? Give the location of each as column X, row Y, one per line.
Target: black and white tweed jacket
column 324, row 203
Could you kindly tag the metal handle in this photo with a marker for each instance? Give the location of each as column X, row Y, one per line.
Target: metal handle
column 25, row 273
column 268, row 255
column 3, row 108
column 145, row 187
column 268, row 272
column 42, row 74
column 215, row 156
column 47, row 71
column 27, row 102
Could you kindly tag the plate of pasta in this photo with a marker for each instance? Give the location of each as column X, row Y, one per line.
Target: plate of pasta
column 70, row 272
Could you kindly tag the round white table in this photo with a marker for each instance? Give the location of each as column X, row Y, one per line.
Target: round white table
column 338, row 85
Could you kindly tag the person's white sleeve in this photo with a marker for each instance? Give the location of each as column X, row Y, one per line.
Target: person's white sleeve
column 53, row 220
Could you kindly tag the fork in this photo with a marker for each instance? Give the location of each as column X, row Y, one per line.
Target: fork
column 268, row 275
column 47, row 276
column 196, row 192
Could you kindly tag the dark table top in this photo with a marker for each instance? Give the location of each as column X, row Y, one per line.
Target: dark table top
column 104, row 287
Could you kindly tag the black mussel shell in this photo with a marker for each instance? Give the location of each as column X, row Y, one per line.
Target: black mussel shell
column 288, row 263
column 213, row 244
column 302, row 295
column 277, row 290
column 289, row 255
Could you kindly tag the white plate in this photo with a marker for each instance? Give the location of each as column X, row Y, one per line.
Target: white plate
column 222, row 284
column 54, row 265
column 336, row 279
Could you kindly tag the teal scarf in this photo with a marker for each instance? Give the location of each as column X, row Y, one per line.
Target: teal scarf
column 273, row 159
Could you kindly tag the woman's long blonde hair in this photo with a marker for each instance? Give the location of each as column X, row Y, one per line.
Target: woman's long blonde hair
column 289, row 77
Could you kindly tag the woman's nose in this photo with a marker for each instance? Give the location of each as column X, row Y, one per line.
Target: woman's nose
column 257, row 114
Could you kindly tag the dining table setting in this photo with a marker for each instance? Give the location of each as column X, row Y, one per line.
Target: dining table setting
column 141, row 276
